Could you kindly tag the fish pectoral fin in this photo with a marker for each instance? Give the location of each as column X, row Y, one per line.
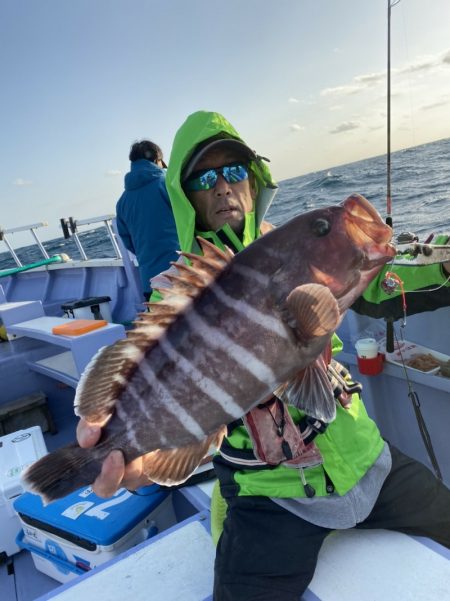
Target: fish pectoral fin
column 170, row 467
column 312, row 311
column 310, row 390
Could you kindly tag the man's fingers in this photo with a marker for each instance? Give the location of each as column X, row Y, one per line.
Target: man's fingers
column 111, row 476
column 134, row 476
column 89, row 434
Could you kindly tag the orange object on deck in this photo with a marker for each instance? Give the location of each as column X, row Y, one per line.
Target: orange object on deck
column 76, row 327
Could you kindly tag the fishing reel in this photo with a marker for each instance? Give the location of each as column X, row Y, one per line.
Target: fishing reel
column 407, row 238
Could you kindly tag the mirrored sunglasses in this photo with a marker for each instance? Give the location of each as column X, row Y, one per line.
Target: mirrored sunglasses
column 207, row 178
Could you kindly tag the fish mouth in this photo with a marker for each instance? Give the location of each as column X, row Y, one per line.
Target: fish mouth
column 366, row 229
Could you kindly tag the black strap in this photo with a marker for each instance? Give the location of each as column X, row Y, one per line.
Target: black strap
column 226, row 241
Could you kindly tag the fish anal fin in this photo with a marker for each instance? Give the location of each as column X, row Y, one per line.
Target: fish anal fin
column 169, row 467
column 310, row 390
column 313, row 311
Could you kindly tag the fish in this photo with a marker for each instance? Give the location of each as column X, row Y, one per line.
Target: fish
column 229, row 332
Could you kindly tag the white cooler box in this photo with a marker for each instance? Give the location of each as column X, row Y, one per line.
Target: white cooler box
column 18, row 450
column 81, row 531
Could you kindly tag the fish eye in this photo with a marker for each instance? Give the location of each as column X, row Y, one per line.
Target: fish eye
column 321, row 227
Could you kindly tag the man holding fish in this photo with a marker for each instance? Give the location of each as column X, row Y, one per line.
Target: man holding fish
column 290, row 470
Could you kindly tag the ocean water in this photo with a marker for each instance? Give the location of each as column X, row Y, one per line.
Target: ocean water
column 420, row 190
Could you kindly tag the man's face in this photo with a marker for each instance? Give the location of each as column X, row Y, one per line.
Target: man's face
column 225, row 203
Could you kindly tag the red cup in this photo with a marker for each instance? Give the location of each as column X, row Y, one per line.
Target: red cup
column 371, row 367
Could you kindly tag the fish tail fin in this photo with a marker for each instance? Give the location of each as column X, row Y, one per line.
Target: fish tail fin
column 61, row 472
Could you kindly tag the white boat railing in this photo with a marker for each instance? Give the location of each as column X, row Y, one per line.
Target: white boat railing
column 23, row 228
column 69, row 228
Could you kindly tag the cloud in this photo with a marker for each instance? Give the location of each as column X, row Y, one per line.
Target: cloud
column 296, row 127
column 433, row 105
column 345, row 126
column 293, row 100
column 341, row 90
column 424, row 64
column 371, row 79
column 113, row 172
column 20, row 182
column 361, row 83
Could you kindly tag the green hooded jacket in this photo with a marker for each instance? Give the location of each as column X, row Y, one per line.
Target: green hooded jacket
column 352, row 443
column 199, row 127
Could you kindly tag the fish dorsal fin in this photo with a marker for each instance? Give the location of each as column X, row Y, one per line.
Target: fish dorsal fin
column 210, row 251
column 187, row 283
column 310, row 390
column 110, row 369
column 312, row 311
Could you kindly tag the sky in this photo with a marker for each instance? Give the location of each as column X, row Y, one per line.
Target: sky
column 303, row 81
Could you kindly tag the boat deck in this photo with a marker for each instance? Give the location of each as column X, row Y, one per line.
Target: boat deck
column 178, row 564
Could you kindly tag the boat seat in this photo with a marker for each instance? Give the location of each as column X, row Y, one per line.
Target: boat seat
column 25, row 412
column 353, row 565
column 72, row 353
column 15, row 312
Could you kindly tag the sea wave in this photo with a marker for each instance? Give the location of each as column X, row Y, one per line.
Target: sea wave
column 420, row 190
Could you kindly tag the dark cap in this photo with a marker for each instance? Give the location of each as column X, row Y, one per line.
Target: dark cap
column 225, row 143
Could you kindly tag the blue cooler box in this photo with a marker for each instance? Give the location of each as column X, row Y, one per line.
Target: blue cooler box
column 81, row 531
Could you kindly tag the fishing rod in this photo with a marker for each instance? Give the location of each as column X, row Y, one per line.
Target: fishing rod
column 389, row 220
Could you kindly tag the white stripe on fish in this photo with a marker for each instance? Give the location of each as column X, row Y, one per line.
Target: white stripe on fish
column 215, row 339
column 272, row 324
column 166, row 400
column 206, row 385
column 253, row 274
column 130, row 430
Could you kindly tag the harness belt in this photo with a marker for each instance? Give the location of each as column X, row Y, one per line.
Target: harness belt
column 276, row 439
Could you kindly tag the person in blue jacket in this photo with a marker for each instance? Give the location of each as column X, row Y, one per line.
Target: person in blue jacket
column 144, row 215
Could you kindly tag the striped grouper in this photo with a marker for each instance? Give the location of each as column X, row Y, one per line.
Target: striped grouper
column 229, row 332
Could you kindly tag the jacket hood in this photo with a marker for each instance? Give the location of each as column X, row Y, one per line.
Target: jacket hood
column 141, row 173
column 199, row 127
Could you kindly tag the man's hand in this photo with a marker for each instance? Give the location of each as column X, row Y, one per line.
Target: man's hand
column 115, row 474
